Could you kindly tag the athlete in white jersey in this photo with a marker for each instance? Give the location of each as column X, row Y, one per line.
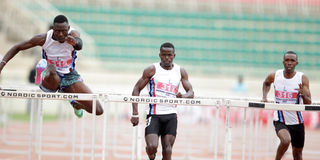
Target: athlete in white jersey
column 164, row 83
column 163, row 80
column 289, row 87
column 285, row 92
column 57, row 68
column 61, row 55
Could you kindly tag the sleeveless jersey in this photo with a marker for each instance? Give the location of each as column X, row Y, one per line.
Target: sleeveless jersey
column 285, row 93
column 61, row 55
column 164, row 83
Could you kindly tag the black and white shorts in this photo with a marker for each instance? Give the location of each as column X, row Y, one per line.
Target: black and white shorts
column 296, row 132
column 161, row 124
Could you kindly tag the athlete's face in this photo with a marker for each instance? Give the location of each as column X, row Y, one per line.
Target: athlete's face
column 290, row 61
column 60, row 31
column 166, row 55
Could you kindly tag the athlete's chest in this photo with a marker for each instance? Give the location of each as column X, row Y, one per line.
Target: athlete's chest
column 56, row 49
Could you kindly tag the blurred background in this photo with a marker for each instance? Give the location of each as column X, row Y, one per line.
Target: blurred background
column 228, row 47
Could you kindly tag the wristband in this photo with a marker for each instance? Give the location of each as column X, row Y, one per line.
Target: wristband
column 78, row 45
column 135, row 116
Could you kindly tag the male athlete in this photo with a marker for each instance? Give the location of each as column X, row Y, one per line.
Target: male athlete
column 289, row 87
column 163, row 80
column 56, row 71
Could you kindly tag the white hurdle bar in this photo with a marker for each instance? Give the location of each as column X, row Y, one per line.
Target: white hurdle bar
column 214, row 102
column 273, row 106
column 159, row 100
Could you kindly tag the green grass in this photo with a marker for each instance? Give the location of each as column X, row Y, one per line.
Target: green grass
column 26, row 117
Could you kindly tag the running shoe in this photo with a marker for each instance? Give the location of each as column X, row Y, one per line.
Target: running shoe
column 77, row 112
column 40, row 67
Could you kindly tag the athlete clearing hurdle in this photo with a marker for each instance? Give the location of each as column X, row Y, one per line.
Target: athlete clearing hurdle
column 163, row 80
column 56, row 71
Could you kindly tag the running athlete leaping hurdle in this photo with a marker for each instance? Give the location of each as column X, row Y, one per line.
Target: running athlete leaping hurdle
column 56, row 71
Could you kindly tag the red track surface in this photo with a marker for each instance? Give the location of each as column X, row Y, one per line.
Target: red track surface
column 193, row 141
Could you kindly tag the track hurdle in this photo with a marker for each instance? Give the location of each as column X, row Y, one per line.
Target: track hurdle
column 136, row 145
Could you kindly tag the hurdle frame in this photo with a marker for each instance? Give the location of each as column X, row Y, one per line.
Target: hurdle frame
column 105, row 98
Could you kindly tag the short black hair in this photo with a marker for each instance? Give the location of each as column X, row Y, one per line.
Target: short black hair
column 167, row 45
column 290, row 52
column 60, row 19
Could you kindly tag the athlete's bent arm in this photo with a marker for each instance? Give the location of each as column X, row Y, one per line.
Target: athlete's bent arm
column 142, row 82
column 37, row 40
column 186, row 85
column 304, row 90
column 266, row 86
column 74, row 39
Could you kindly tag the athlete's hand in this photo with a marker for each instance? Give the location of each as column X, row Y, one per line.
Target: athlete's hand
column 71, row 40
column 2, row 66
column 300, row 90
column 179, row 95
column 134, row 121
column 264, row 100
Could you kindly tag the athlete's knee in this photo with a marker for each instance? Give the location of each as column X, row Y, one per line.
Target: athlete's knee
column 99, row 109
column 297, row 154
column 167, row 150
column 286, row 141
column 50, row 81
column 51, row 73
column 51, row 67
column 151, row 148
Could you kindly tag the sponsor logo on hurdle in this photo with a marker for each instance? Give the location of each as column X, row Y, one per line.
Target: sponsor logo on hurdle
column 38, row 95
column 163, row 101
column 256, row 105
column 312, row 108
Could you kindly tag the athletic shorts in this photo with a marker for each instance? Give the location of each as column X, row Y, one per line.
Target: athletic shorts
column 296, row 132
column 161, row 124
column 66, row 80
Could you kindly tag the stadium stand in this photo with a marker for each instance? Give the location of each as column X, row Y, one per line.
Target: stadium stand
column 208, row 40
column 200, row 38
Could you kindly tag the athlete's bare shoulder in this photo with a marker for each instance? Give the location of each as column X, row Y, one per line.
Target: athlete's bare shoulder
column 149, row 71
column 39, row 39
column 270, row 78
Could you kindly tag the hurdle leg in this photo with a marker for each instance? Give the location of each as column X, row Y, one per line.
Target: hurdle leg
column 40, row 128
column 134, row 142
column 116, row 130
column 269, row 131
column 244, row 135
column 3, row 120
column 139, row 142
column 217, row 134
column 73, row 136
column 94, row 102
column 228, row 138
column 82, row 138
column 31, row 129
column 104, row 133
column 251, row 133
column 256, row 125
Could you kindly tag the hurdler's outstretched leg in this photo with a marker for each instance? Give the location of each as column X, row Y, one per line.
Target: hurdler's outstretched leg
column 51, row 82
column 80, row 87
